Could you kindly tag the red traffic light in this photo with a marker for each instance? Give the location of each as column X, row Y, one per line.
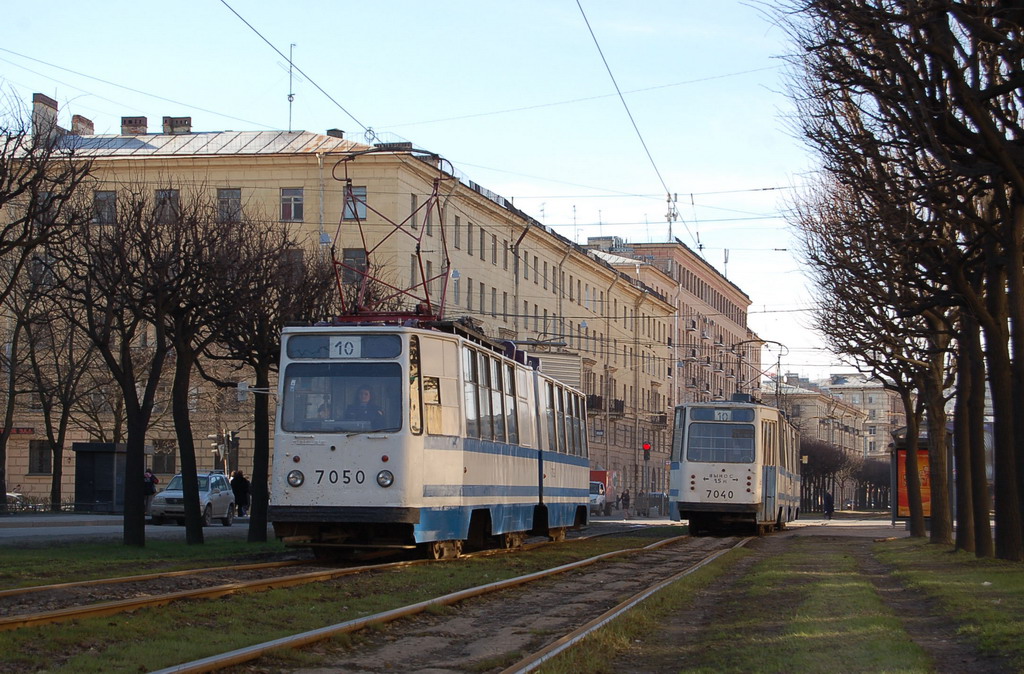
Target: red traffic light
column 647, row 446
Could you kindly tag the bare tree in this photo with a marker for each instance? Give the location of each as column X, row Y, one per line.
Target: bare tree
column 294, row 284
column 40, row 173
column 118, row 281
column 934, row 90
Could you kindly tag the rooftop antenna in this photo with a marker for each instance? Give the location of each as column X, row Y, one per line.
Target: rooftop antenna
column 291, row 92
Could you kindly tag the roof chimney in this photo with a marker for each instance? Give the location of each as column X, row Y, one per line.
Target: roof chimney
column 81, row 126
column 335, row 133
column 44, row 115
column 133, row 126
column 177, row 125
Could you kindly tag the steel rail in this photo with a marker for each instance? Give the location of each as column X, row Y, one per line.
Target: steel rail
column 531, row 662
column 248, row 653
column 112, row 607
column 15, row 591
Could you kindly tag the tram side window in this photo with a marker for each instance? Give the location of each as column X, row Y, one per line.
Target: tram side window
column 720, row 443
column 415, row 393
column 549, row 409
column 497, row 399
column 484, row 397
column 432, row 404
column 560, row 418
column 469, row 392
column 572, row 403
column 511, row 413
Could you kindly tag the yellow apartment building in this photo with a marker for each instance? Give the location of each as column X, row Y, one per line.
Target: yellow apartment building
column 637, row 336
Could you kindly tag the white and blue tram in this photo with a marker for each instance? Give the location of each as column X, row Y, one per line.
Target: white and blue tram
column 734, row 462
column 465, row 444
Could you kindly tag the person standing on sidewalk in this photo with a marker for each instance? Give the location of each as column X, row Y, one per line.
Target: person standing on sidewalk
column 829, row 505
column 150, row 482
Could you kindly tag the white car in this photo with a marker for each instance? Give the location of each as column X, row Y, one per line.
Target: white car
column 216, row 501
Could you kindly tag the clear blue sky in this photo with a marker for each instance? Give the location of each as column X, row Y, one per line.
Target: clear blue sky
column 514, row 94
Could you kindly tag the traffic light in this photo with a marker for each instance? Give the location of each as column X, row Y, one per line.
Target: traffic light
column 232, row 440
column 217, row 441
column 647, row 451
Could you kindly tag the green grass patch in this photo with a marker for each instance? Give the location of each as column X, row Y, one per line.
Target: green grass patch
column 803, row 610
column 984, row 596
column 26, row 567
column 149, row 639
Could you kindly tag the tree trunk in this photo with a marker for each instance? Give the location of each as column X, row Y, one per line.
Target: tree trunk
column 258, row 491
column 970, row 342
column 965, row 385
column 134, row 525
column 186, row 446
column 1008, row 541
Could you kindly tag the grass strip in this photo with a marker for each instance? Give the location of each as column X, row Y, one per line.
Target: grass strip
column 985, row 597
column 807, row 609
column 149, row 639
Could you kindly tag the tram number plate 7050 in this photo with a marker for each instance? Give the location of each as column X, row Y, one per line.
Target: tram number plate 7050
column 340, row 476
column 719, row 493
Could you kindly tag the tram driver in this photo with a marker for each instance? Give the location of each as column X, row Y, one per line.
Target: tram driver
column 364, row 408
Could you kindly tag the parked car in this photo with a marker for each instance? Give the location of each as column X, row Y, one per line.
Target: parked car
column 216, row 501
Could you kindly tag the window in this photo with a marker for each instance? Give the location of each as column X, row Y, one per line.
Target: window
column 414, row 204
column 469, row 294
column 229, row 205
column 40, row 458
column 494, row 301
column 353, row 262
column 458, row 232
column 504, row 254
column 291, row 204
column 455, row 290
column 104, row 206
column 168, row 206
column 355, row 203
column 164, row 456
column 720, row 443
column 483, row 243
column 494, row 250
column 428, row 222
column 469, row 238
column 343, row 397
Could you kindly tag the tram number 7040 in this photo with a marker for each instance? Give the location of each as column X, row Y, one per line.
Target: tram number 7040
column 344, row 476
column 720, row 493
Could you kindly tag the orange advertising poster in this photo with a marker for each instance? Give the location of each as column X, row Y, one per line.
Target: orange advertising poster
column 923, row 466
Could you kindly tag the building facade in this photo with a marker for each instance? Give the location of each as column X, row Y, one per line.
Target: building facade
column 637, row 335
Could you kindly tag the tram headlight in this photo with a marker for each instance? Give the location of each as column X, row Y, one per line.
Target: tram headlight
column 295, row 478
column 385, row 478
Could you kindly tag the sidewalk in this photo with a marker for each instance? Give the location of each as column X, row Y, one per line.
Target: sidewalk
column 31, row 520
column 34, row 520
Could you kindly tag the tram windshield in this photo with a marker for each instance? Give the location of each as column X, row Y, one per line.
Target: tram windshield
column 720, row 443
column 342, row 397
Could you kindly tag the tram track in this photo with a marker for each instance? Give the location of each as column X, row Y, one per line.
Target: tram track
column 567, row 603
column 61, row 602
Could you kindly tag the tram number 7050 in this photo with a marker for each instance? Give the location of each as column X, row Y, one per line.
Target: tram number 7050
column 719, row 493
column 344, row 477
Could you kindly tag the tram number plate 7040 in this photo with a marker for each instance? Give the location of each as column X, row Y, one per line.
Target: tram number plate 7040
column 340, row 477
column 719, row 493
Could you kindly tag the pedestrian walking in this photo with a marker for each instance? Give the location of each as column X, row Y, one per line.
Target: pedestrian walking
column 625, row 501
column 829, row 504
column 240, row 488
